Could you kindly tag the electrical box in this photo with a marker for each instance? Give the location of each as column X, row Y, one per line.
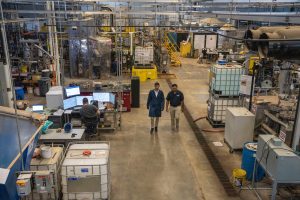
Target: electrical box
column 280, row 162
column 24, row 184
column 239, row 127
column 43, row 181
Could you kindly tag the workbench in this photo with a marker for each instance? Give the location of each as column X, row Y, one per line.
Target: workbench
column 53, row 137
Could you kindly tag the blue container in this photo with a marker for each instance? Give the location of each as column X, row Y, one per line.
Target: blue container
column 248, row 159
column 19, row 93
column 222, row 62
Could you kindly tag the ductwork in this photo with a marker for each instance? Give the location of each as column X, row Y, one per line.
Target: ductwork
column 276, row 46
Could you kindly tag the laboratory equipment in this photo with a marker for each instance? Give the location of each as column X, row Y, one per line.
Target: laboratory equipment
column 274, row 156
column 278, row 160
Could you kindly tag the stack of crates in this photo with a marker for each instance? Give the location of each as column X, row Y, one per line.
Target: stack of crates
column 224, row 90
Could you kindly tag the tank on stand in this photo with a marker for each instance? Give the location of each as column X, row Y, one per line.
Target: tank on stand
column 86, row 171
column 224, row 90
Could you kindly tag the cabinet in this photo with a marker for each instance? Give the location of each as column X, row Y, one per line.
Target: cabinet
column 239, row 127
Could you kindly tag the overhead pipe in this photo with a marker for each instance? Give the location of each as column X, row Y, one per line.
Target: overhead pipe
column 276, row 41
column 256, row 33
column 283, row 49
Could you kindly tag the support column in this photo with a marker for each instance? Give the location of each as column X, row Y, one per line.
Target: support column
column 296, row 131
column 6, row 81
column 53, row 41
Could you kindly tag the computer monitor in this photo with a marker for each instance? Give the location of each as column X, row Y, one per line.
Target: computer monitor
column 72, row 91
column 70, row 103
column 80, row 98
column 37, row 108
column 112, row 98
column 102, row 96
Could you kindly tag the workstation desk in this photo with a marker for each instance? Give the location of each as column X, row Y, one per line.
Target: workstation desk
column 53, row 137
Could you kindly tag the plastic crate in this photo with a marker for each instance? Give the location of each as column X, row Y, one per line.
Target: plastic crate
column 86, row 177
column 216, row 108
column 225, row 79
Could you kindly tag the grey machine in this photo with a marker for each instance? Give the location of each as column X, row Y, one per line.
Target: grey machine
column 278, row 160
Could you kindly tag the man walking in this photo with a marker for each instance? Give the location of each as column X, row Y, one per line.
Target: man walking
column 175, row 99
column 155, row 104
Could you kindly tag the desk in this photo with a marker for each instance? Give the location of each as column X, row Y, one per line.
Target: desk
column 212, row 56
column 62, row 138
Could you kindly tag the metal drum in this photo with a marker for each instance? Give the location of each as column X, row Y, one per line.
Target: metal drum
column 248, row 158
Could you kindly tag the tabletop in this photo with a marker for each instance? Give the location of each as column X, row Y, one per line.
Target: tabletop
column 51, row 134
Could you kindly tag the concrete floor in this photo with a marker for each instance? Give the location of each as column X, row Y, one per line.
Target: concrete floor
column 166, row 166
column 169, row 166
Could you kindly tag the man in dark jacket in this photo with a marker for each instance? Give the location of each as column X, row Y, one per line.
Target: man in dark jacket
column 155, row 105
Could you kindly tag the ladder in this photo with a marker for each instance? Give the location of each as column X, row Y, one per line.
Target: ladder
column 172, row 50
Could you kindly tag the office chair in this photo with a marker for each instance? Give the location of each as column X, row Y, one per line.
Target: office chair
column 90, row 128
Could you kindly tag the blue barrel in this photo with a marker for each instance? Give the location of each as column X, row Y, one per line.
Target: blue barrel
column 248, row 159
column 19, row 93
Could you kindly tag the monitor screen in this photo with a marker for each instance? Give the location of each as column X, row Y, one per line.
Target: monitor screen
column 112, row 98
column 72, row 91
column 80, row 98
column 102, row 96
column 36, row 108
column 70, row 103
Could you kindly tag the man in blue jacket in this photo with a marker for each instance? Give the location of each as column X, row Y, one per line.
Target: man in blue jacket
column 155, row 104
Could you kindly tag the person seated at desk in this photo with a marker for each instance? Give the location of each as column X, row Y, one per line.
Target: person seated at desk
column 89, row 116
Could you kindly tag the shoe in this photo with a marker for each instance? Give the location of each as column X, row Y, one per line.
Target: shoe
column 155, row 129
column 151, row 131
column 173, row 129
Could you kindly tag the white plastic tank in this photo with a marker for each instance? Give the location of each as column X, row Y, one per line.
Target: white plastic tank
column 85, row 172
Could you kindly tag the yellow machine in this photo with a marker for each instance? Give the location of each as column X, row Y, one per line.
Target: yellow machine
column 185, row 49
column 145, row 73
column 252, row 63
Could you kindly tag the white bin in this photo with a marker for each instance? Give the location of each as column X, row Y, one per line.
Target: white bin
column 86, row 177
